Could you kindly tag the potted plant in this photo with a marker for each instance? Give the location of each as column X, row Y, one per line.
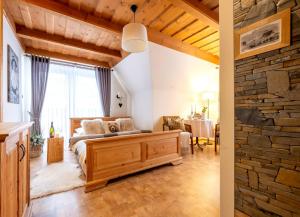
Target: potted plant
column 36, row 145
column 204, row 109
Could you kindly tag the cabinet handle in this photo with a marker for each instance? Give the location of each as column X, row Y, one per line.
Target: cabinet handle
column 23, row 151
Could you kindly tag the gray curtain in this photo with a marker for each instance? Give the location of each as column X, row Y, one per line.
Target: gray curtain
column 103, row 79
column 39, row 77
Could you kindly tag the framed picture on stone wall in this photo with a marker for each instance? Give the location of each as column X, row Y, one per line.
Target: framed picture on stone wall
column 265, row 35
column 13, row 75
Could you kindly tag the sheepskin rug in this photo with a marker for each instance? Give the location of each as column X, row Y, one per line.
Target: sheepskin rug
column 55, row 178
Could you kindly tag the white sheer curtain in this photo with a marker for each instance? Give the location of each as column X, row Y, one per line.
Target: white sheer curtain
column 71, row 92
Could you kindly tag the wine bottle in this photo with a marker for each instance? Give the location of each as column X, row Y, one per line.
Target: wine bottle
column 52, row 131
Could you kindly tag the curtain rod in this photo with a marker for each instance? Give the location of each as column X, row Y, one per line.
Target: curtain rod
column 67, row 63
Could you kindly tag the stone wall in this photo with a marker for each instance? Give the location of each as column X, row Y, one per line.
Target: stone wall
column 267, row 125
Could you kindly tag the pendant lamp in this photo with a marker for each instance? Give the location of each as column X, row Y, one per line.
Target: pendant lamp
column 134, row 37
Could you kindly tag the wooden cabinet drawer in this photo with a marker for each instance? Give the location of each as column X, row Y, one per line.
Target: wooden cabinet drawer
column 117, row 156
column 161, row 148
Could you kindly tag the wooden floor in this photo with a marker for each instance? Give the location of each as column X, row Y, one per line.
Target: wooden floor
column 187, row 190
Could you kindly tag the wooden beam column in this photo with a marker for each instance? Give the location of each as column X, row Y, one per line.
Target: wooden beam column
column 38, row 35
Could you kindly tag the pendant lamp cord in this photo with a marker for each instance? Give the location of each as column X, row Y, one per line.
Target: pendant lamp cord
column 133, row 8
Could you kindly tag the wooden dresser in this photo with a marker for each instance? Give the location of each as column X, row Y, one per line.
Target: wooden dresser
column 15, row 176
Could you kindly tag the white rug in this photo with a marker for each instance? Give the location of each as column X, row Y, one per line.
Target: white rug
column 55, row 178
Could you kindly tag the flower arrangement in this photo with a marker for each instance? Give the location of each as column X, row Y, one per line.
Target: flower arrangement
column 204, row 109
column 37, row 139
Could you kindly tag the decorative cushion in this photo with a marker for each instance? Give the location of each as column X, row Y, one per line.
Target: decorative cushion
column 126, row 124
column 111, row 126
column 185, row 143
column 79, row 131
column 175, row 123
column 92, row 126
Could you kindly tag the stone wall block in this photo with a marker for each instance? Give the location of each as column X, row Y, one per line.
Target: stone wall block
column 253, row 179
column 287, row 200
column 268, row 68
column 285, row 140
column 270, row 172
column 253, row 211
column 288, row 177
column 273, row 209
column 259, row 140
column 295, row 150
column 254, row 194
column 278, row 81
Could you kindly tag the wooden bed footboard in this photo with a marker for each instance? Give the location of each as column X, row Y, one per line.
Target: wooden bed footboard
column 109, row 158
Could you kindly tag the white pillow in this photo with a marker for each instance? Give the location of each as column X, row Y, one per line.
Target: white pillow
column 126, row 124
column 79, row 131
column 92, row 126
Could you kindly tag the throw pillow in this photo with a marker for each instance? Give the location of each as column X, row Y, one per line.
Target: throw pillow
column 92, row 126
column 126, row 124
column 111, row 127
column 79, row 131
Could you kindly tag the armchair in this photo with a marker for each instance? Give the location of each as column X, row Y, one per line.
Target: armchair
column 217, row 135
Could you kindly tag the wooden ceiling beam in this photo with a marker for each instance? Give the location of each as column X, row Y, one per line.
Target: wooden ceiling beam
column 65, row 57
column 153, row 35
column 198, row 10
column 82, row 16
column 38, row 35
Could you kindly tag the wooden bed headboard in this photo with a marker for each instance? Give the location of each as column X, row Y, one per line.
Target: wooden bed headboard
column 76, row 122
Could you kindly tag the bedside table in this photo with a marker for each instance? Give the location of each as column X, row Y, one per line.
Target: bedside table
column 55, row 149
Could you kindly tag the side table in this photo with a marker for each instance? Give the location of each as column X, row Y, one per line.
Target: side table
column 55, row 149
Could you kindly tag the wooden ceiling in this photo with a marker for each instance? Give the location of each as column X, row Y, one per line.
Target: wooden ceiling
column 89, row 31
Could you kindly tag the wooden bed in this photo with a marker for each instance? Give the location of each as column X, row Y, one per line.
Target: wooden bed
column 112, row 157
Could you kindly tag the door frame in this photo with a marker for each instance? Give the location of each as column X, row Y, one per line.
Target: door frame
column 226, row 108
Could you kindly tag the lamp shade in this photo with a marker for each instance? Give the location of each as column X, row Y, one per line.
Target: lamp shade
column 134, row 38
column 208, row 95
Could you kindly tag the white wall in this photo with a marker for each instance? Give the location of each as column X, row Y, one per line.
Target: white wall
column 179, row 81
column 162, row 81
column 118, row 88
column 134, row 71
column 11, row 112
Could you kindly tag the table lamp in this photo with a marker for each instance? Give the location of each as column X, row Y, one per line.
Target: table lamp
column 208, row 96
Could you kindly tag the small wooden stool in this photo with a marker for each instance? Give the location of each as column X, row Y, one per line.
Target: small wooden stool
column 55, row 149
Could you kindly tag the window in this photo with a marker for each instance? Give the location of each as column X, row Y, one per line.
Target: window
column 71, row 92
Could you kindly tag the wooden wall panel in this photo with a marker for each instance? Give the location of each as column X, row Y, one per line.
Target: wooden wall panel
column 205, row 40
column 190, row 30
column 167, row 17
column 199, row 34
column 179, row 24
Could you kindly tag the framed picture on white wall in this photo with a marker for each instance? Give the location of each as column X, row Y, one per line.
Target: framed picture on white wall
column 13, row 77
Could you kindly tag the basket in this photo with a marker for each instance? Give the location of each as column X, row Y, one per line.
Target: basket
column 36, row 151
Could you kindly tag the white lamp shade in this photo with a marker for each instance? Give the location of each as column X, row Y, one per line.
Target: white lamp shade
column 134, row 38
column 208, row 95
